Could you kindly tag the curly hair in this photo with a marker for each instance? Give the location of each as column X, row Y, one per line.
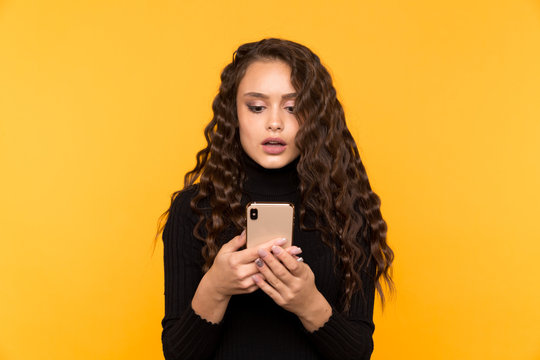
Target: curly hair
column 334, row 186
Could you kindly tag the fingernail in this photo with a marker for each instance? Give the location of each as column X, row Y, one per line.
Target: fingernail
column 243, row 232
column 259, row 262
column 262, row 252
column 295, row 250
column 276, row 250
column 281, row 241
column 255, row 278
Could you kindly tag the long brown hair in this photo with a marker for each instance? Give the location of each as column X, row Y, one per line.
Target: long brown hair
column 334, row 186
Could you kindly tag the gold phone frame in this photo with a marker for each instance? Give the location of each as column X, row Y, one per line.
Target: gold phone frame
column 276, row 221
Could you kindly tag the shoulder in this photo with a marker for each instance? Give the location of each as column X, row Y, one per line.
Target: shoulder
column 179, row 240
column 180, row 209
column 182, row 198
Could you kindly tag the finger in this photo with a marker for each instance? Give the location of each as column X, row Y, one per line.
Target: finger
column 294, row 250
column 235, row 243
column 276, row 267
column 269, row 290
column 269, row 276
column 252, row 289
column 249, row 255
column 291, row 262
column 246, row 270
column 246, row 286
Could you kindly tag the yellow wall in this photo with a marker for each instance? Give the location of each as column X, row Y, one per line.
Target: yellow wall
column 102, row 106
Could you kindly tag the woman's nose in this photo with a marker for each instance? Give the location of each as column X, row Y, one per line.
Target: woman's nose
column 274, row 122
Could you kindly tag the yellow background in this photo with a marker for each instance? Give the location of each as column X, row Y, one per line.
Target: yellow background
column 102, row 106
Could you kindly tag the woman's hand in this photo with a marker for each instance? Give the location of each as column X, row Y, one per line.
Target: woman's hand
column 232, row 270
column 291, row 284
column 230, row 274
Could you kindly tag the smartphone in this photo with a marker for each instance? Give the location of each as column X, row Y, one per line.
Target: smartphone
column 269, row 220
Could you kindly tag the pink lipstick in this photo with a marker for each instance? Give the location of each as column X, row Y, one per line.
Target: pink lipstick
column 274, row 146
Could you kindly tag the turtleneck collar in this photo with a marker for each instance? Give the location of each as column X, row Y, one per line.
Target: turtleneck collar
column 263, row 181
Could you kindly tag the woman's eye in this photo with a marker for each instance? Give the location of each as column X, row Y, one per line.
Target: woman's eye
column 255, row 109
column 290, row 109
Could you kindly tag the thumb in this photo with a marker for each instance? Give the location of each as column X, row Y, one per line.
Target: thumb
column 235, row 243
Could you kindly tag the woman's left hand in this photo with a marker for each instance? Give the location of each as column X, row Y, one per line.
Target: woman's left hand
column 289, row 282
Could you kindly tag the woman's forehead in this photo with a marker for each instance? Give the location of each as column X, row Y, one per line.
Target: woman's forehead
column 266, row 78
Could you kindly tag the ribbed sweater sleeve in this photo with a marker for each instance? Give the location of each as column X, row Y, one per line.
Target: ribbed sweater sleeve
column 185, row 334
column 349, row 336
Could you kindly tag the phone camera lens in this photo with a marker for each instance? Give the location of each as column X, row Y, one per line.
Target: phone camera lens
column 253, row 214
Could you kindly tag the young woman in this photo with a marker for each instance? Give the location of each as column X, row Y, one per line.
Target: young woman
column 278, row 134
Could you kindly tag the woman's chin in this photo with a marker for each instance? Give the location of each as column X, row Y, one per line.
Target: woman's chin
column 274, row 161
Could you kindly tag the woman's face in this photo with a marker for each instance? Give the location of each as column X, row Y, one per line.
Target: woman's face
column 265, row 103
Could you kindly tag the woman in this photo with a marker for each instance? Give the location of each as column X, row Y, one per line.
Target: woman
column 278, row 134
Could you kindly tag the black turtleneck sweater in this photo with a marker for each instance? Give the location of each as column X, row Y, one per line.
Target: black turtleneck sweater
column 254, row 326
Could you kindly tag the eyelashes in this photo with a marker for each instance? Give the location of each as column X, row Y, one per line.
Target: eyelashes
column 258, row 109
column 255, row 109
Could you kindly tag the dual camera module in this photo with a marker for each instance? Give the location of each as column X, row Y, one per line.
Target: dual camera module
column 253, row 214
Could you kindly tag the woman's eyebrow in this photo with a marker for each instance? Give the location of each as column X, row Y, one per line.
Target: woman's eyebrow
column 264, row 96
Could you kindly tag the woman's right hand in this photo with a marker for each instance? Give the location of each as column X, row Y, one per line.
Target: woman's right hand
column 231, row 272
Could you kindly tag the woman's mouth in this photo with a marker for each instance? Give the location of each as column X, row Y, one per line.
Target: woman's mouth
column 274, row 146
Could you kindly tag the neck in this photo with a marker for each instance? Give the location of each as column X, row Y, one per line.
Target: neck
column 260, row 180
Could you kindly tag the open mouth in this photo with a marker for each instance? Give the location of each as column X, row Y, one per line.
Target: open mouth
column 274, row 146
column 274, row 143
